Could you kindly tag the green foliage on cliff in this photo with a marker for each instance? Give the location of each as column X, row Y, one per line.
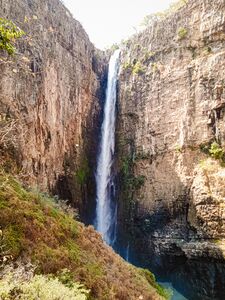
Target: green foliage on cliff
column 131, row 183
column 136, row 68
column 114, row 47
column 214, row 150
column 165, row 293
column 82, row 173
column 182, row 33
column 9, row 33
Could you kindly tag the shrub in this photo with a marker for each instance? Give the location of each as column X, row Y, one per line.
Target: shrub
column 114, row 47
column 9, row 32
column 182, row 33
column 149, row 55
column 178, row 148
column 135, row 67
column 138, row 69
column 127, row 66
column 165, row 293
column 41, row 287
column 207, row 50
column 216, row 151
column 155, row 67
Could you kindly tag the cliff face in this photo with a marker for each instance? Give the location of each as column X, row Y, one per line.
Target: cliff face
column 171, row 110
column 50, row 92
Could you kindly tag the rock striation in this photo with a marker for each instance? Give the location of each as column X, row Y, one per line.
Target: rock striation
column 171, row 111
column 52, row 90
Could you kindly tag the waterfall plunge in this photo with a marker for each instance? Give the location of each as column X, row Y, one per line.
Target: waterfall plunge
column 106, row 210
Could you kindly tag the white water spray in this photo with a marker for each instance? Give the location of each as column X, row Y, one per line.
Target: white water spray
column 106, row 210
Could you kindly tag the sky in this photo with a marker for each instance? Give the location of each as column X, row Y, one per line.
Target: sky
column 109, row 21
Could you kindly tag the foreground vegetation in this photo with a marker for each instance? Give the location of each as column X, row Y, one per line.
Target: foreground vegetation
column 40, row 287
column 35, row 228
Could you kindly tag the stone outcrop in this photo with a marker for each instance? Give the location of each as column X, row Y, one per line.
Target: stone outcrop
column 171, row 110
column 52, row 91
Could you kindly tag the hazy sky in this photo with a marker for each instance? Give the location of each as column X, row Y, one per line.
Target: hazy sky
column 110, row 21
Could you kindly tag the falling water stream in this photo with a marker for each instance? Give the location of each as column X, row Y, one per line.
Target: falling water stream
column 106, row 206
column 106, row 209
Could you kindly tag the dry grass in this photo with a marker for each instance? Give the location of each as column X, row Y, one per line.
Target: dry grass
column 34, row 227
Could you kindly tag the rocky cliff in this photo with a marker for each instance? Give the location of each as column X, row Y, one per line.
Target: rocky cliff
column 170, row 141
column 50, row 96
column 50, row 110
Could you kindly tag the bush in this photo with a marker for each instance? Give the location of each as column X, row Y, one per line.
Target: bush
column 138, row 69
column 9, row 32
column 165, row 293
column 182, row 33
column 114, row 47
column 135, row 67
column 40, row 287
column 127, row 66
column 216, row 151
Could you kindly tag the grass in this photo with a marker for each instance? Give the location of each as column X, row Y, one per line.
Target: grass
column 35, row 227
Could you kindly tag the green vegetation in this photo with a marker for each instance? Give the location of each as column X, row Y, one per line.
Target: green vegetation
column 182, row 33
column 114, row 47
column 207, row 50
column 83, row 173
column 9, row 33
column 178, row 148
column 155, row 67
column 34, row 227
column 131, row 182
column 136, row 68
column 214, row 150
column 41, row 287
column 127, row 66
column 166, row 293
column 148, row 55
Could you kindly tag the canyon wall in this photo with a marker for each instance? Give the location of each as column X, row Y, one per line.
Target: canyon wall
column 51, row 92
column 171, row 115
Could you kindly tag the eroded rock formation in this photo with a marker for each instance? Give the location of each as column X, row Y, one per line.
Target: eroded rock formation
column 52, row 91
column 171, row 108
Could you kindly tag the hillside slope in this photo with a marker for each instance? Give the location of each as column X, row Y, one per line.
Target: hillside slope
column 35, row 229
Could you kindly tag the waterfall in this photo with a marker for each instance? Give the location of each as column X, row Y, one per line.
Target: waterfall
column 106, row 209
